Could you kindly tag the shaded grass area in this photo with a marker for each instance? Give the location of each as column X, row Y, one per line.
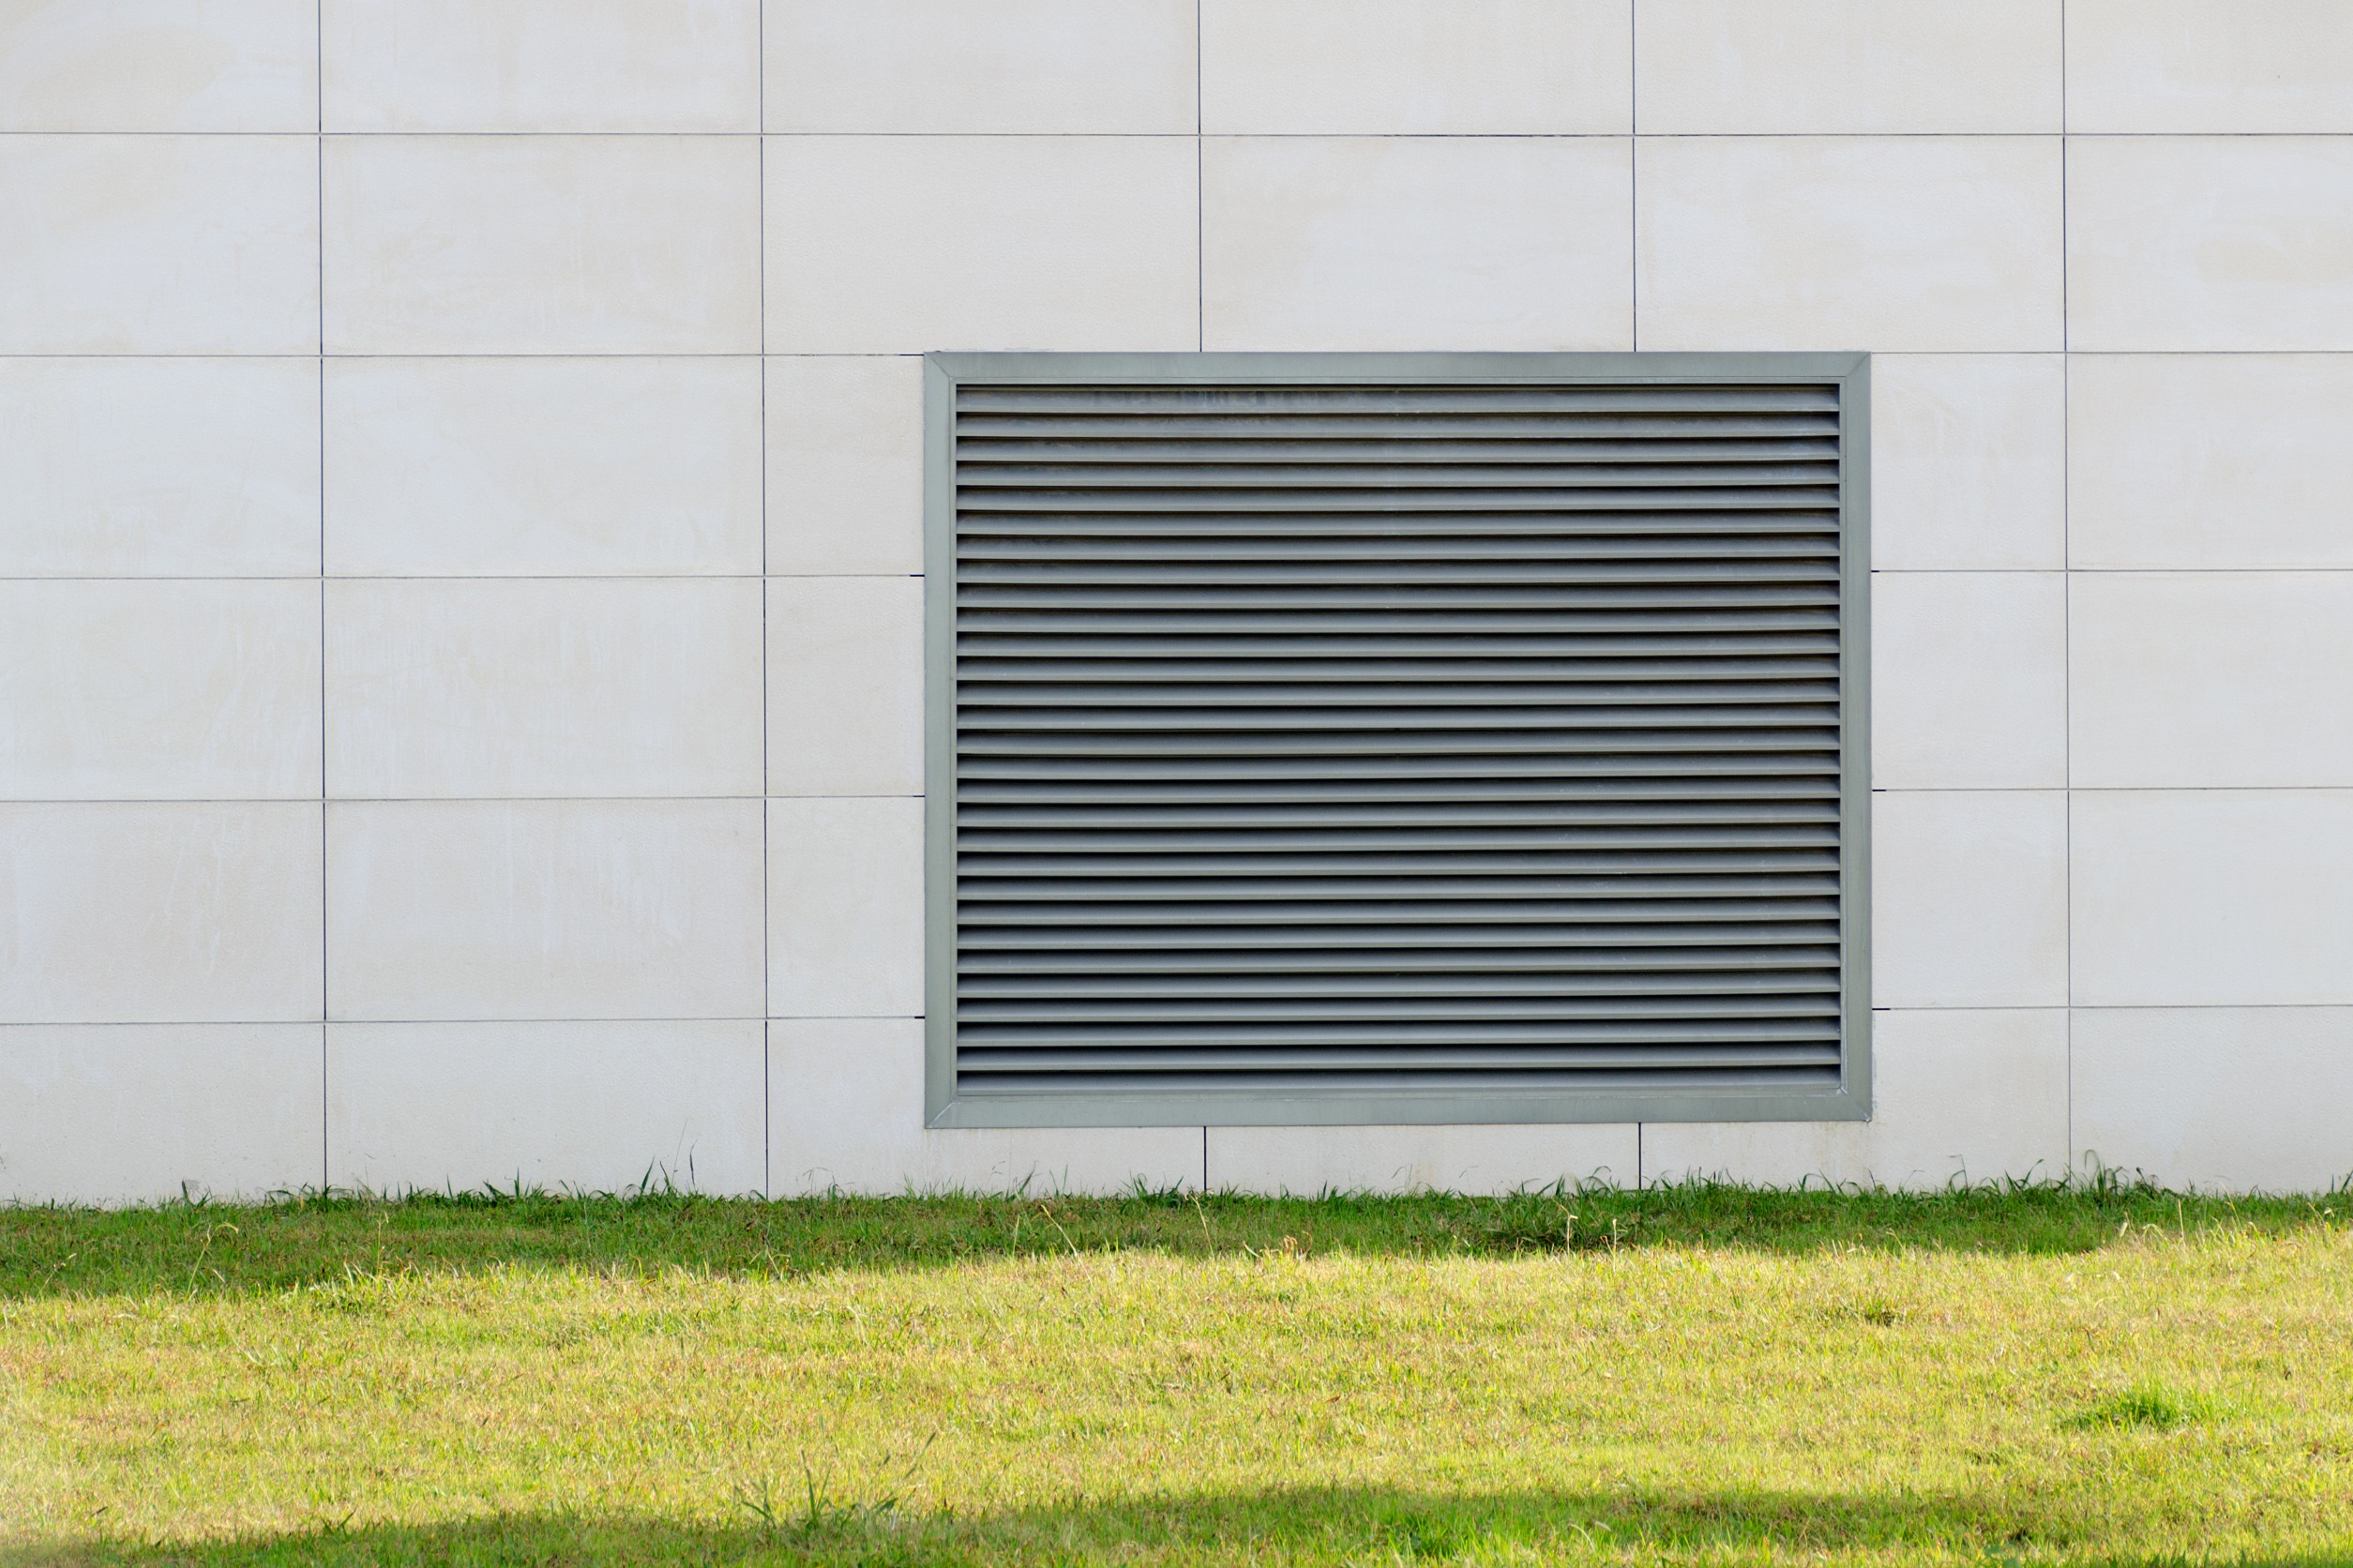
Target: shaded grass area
column 1325, row 1526
column 309, row 1238
column 2093, row 1375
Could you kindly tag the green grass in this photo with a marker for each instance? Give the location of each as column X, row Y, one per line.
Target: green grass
column 2085, row 1375
column 2148, row 1403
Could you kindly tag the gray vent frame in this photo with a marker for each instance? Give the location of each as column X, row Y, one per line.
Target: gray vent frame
column 943, row 1108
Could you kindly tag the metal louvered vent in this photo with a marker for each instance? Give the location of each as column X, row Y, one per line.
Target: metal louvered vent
column 1395, row 738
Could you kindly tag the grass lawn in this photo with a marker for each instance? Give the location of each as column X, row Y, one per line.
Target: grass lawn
column 2101, row 1375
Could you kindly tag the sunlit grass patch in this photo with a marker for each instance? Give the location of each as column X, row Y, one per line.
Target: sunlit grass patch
column 1706, row 1375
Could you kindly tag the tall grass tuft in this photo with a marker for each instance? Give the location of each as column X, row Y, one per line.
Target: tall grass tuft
column 2148, row 1403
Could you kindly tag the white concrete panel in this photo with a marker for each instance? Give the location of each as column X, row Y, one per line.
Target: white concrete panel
column 542, row 467
column 1304, row 1162
column 158, row 65
column 158, row 468
column 542, row 245
column 573, row 1107
column 158, row 914
column 541, row 65
column 845, row 685
column 845, row 1110
column 1968, row 898
column 1846, row 67
column 1968, row 462
column 905, row 245
column 2212, row 679
column 845, row 464
column 1969, row 680
column 1062, row 66
column 2227, row 461
column 1881, row 243
column 2211, row 898
column 2235, row 1099
column 140, row 1113
column 2235, row 243
column 1417, row 67
column 446, row 909
column 159, row 245
column 2226, row 65
column 845, row 908
column 845, row 1106
column 159, row 690
column 547, row 686
column 1416, row 242
column 1958, row 1097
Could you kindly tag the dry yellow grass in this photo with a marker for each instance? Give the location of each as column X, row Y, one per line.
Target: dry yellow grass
column 1885, row 1398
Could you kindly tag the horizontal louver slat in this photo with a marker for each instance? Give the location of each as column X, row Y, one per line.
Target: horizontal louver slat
column 1510, row 931
column 1593, row 494
column 1180, row 402
column 1428, row 426
column 1599, row 525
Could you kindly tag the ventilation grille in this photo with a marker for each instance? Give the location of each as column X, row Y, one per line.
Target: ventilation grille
column 1406, row 738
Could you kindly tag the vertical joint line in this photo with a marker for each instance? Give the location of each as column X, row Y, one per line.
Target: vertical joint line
column 2066, row 618
column 767, row 967
column 318, row 87
column 1633, row 201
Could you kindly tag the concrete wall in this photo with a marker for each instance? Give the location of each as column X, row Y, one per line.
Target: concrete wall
column 459, row 537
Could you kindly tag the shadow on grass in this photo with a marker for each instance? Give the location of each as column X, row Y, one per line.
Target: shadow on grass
column 1304, row 1527
column 207, row 1248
